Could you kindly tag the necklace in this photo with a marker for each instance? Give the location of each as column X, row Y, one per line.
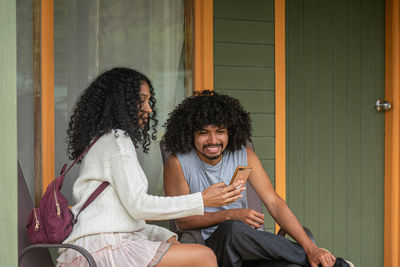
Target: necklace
column 220, row 168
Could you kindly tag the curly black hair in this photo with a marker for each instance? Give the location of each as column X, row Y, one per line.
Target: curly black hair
column 112, row 101
column 203, row 109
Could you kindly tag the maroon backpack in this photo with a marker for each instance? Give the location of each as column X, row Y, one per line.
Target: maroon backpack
column 52, row 221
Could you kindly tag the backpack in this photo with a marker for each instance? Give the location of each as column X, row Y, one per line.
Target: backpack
column 52, row 221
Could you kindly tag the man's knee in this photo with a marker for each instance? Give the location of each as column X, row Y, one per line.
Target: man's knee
column 223, row 234
column 227, row 233
column 232, row 229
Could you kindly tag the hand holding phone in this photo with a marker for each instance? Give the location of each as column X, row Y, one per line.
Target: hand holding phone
column 241, row 173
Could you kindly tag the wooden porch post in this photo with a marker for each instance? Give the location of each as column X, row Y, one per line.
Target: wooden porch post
column 280, row 101
column 47, row 86
column 203, row 46
column 392, row 135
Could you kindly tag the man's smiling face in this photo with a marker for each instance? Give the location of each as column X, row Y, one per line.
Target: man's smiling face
column 210, row 142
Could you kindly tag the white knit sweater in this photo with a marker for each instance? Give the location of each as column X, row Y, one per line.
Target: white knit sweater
column 124, row 204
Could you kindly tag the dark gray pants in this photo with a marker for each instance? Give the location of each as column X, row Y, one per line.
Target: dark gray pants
column 235, row 243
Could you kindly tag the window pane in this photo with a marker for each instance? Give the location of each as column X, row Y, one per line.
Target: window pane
column 92, row 36
column 25, row 91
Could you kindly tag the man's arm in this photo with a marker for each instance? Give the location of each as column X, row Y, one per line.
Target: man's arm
column 282, row 214
column 175, row 184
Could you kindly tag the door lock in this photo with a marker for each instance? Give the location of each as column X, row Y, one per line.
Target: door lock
column 382, row 105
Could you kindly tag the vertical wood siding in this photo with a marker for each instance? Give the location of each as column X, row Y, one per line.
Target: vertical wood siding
column 335, row 138
column 8, row 135
column 244, row 69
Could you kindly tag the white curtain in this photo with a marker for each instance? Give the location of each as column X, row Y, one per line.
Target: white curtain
column 93, row 36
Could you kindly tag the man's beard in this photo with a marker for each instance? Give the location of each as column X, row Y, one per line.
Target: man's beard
column 211, row 157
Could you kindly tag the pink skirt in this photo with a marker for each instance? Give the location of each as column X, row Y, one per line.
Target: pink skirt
column 114, row 250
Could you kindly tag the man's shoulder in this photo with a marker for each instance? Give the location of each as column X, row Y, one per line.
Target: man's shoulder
column 172, row 160
column 238, row 153
column 189, row 162
column 250, row 152
column 187, row 156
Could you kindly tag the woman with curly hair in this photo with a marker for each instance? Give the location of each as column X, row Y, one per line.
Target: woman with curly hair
column 119, row 107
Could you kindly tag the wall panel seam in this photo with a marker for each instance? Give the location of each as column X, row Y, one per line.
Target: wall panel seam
column 244, row 43
column 247, row 20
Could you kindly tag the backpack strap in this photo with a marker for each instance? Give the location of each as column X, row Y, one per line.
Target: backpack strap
column 98, row 190
column 64, row 172
column 92, row 197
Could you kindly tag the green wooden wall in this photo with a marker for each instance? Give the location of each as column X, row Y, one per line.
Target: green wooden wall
column 244, row 68
column 8, row 135
column 335, row 138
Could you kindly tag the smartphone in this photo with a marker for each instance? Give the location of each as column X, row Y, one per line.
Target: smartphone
column 241, row 173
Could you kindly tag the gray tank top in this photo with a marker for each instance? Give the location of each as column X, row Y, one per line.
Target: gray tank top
column 200, row 175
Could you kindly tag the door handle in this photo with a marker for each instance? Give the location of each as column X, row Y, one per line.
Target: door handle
column 382, row 105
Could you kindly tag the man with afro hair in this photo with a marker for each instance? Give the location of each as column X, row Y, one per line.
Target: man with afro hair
column 207, row 135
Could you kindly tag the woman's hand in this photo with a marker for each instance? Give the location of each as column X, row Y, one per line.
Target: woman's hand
column 220, row 194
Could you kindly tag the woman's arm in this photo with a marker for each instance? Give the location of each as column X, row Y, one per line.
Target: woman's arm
column 131, row 184
column 157, row 233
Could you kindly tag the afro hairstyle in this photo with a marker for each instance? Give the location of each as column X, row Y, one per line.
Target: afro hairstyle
column 204, row 109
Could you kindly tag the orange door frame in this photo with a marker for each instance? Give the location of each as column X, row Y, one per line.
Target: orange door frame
column 392, row 135
column 47, row 78
column 203, row 45
column 280, row 102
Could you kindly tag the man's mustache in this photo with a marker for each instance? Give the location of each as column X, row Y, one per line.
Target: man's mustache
column 205, row 146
